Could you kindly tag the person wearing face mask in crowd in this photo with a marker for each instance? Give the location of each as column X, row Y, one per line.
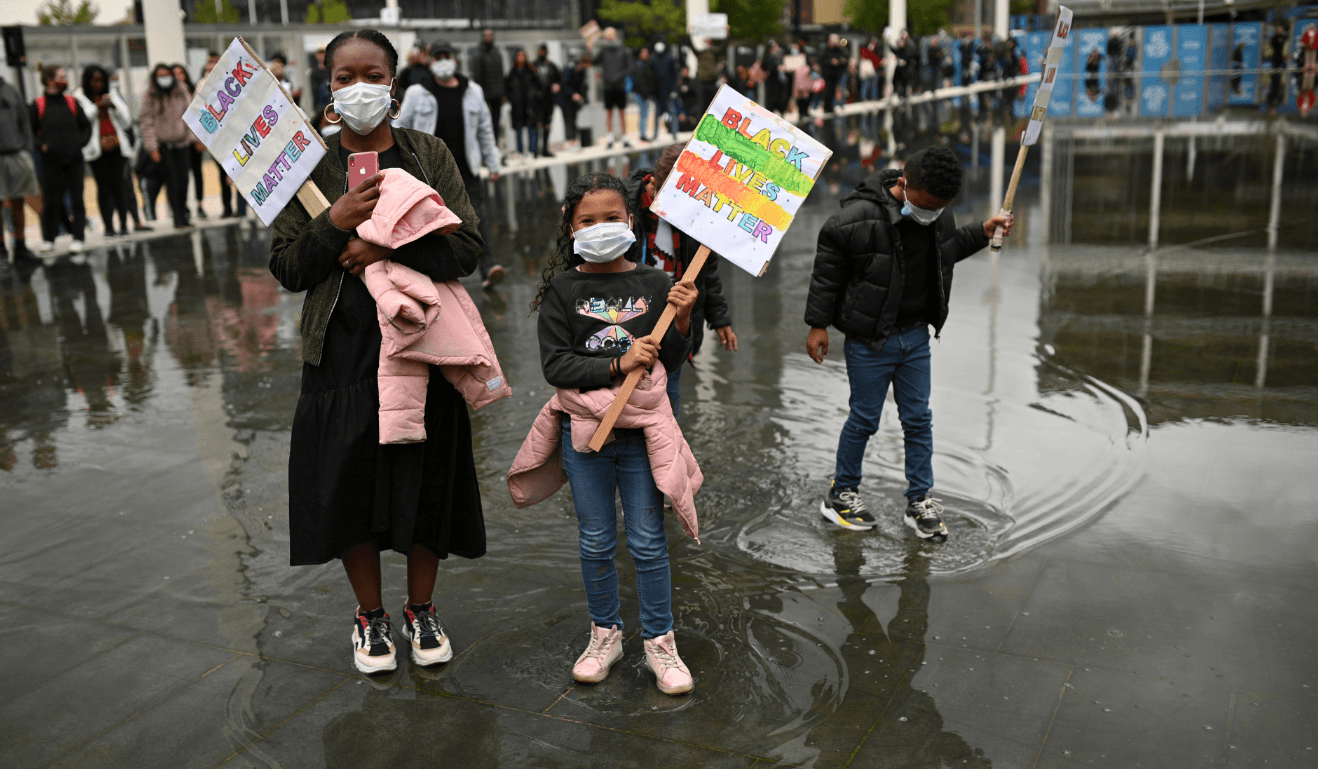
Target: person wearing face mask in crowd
column 598, row 309
column 883, row 276
column 349, row 496
column 166, row 138
column 487, row 72
column 467, row 129
column 109, row 147
column 551, row 84
column 61, row 129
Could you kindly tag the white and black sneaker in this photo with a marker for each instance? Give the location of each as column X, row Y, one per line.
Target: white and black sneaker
column 430, row 645
column 924, row 516
column 373, row 642
column 845, row 508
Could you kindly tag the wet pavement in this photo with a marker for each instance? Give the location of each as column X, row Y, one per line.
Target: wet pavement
column 1127, row 464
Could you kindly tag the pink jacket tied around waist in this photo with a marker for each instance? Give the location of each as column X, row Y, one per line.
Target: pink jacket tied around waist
column 422, row 322
column 537, row 473
column 407, row 209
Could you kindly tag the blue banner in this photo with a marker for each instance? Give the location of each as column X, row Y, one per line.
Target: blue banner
column 1033, row 44
column 1245, row 48
column 1091, row 62
column 1192, row 50
column 1219, row 49
column 1155, row 95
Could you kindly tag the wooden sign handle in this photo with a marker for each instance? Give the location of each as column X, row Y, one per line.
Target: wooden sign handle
column 634, row 376
column 995, row 244
column 312, row 199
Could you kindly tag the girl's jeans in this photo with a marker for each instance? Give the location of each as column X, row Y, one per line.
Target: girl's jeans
column 623, row 465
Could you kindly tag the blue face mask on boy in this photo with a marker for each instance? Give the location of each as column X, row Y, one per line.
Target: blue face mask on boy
column 924, row 216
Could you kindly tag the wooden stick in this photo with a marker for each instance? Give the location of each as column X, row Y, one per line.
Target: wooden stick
column 995, row 245
column 312, row 198
column 634, row 377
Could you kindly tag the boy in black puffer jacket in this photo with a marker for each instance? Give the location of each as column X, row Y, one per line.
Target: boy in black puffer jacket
column 882, row 276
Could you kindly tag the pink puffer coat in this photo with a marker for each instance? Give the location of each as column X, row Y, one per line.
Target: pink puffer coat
column 425, row 323
column 536, row 472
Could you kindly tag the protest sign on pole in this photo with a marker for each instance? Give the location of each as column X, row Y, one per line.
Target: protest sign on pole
column 735, row 188
column 257, row 133
column 1030, row 136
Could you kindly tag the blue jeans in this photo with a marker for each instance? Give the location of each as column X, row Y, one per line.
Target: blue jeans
column 622, row 465
column 532, row 135
column 904, row 362
column 869, row 89
column 675, row 112
column 675, row 392
column 643, row 104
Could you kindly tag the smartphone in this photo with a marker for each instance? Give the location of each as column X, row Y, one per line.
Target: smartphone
column 362, row 166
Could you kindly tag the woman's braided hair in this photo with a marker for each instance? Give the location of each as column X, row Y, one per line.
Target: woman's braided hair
column 564, row 257
column 369, row 35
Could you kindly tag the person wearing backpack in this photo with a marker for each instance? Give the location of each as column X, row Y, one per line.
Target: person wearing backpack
column 61, row 129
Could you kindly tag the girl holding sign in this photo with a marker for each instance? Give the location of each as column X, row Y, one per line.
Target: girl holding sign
column 350, row 497
column 597, row 310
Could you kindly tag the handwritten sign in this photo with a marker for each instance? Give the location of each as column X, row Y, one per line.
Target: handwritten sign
column 1052, row 59
column 253, row 128
column 741, row 180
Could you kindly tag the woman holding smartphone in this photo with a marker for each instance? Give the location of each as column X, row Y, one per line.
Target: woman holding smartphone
column 350, row 497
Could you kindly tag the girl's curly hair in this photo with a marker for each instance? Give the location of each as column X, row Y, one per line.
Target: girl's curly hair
column 564, row 257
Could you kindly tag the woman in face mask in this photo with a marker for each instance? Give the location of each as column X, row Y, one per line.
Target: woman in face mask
column 350, row 497
column 166, row 138
column 597, row 312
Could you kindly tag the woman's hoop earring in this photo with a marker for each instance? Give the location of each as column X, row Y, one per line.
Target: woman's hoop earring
column 397, row 110
column 326, row 113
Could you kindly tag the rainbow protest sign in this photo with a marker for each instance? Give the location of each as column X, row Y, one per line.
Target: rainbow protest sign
column 249, row 124
column 740, row 180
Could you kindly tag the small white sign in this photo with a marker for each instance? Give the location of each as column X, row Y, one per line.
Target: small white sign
column 250, row 125
column 711, row 25
column 390, row 17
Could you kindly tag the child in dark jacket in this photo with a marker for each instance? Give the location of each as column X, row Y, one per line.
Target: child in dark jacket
column 597, row 312
column 672, row 251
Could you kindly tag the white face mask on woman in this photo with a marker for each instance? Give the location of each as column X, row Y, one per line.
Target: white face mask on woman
column 444, row 68
column 362, row 105
column 602, row 243
column 165, row 82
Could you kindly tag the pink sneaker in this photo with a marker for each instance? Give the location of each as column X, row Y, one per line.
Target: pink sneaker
column 669, row 671
column 605, row 649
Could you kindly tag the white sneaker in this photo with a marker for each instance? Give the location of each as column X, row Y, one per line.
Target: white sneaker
column 669, row 671
column 605, row 648
column 46, row 246
column 76, row 246
column 430, row 644
column 373, row 644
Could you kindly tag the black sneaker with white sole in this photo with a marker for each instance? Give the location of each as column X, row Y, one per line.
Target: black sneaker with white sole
column 373, row 642
column 430, row 645
column 845, row 508
column 924, row 516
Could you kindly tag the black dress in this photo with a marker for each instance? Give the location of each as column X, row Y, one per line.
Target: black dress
column 344, row 487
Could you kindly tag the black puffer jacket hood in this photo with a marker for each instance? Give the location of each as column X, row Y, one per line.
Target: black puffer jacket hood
column 859, row 270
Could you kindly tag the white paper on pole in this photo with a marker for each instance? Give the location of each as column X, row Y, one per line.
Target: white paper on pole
column 260, row 138
column 740, row 181
column 1052, row 59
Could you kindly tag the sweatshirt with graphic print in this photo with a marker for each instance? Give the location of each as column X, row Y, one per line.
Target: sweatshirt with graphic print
column 588, row 319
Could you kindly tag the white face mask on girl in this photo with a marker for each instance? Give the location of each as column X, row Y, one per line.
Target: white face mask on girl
column 602, row 243
column 362, row 105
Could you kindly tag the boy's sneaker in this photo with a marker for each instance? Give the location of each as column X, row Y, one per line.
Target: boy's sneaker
column 669, row 671
column 430, row 645
column 373, row 642
column 845, row 508
column 605, row 649
column 923, row 515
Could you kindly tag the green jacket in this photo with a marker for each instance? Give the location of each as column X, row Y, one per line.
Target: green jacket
column 304, row 252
